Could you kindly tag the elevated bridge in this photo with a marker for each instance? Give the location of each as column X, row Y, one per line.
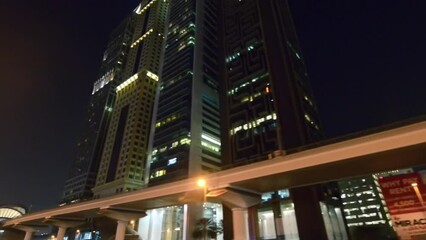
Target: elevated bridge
column 396, row 148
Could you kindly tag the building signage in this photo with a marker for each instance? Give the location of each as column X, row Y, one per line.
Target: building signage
column 405, row 196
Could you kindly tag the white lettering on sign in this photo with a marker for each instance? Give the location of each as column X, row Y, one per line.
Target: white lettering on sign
column 395, row 183
column 401, row 190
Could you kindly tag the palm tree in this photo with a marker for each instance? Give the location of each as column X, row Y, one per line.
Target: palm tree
column 207, row 228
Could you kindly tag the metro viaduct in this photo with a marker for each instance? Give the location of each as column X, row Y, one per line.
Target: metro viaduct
column 240, row 187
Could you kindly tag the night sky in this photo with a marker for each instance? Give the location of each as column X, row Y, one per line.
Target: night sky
column 366, row 60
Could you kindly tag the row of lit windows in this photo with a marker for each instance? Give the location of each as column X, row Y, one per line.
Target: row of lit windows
column 127, row 82
column 367, row 223
column 210, row 147
column 310, row 120
column 141, row 38
column 237, row 54
column 211, row 143
column 168, row 120
column 134, row 78
column 250, row 98
column 245, row 84
column 104, row 80
column 254, row 123
column 141, row 10
column 182, row 141
column 189, row 41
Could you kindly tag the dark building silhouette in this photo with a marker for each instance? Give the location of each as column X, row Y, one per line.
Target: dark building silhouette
column 267, row 102
column 268, row 110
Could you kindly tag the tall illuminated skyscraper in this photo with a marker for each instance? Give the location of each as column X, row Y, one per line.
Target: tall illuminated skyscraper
column 125, row 150
column 186, row 142
column 211, row 84
column 234, row 90
column 83, row 173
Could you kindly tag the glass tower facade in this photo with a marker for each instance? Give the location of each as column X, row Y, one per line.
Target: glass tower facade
column 208, row 85
column 187, row 129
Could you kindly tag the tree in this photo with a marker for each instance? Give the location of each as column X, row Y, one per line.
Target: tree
column 207, row 228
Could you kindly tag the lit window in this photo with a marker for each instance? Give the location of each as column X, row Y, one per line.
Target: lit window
column 172, row 161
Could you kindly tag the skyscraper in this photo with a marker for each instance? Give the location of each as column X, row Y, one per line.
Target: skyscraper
column 124, row 152
column 364, row 204
column 187, row 129
column 83, row 173
column 233, row 90
column 211, row 84
column 268, row 110
column 267, row 102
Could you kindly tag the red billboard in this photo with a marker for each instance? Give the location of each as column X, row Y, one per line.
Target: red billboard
column 405, row 197
column 404, row 193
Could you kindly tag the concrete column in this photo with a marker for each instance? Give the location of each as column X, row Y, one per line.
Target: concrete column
column 61, row 233
column 123, row 217
column 240, row 224
column 120, row 233
column 63, row 224
column 28, row 235
column 239, row 200
column 310, row 222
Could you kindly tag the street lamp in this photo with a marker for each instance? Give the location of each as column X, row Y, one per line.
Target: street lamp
column 202, row 183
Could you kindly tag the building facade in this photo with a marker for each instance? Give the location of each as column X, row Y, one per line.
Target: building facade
column 267, row 101
column 364, row 206
column 268, row 110
column 209, row 85
column 125, row 150
column 187, row 129
column 82, row 176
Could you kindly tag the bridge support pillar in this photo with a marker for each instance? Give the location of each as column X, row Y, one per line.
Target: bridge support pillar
column 29, row 230
column 238, row 200
column 309, row 218
column 123, row 217
column 240, row 223
column 63, row 224
column 120, row 233
column 28, row 235
column 61, row 233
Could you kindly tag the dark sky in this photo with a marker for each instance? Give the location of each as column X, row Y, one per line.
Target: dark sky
column 366, row 61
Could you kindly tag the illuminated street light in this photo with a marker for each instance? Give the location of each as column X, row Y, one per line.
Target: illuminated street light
column 202, row 183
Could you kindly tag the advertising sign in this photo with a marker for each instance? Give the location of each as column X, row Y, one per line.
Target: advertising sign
column 405, row 196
